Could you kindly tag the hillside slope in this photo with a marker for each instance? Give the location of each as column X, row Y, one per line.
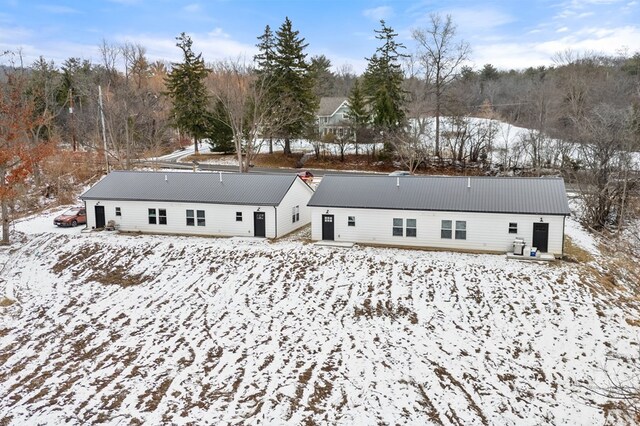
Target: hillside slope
column 128, row 329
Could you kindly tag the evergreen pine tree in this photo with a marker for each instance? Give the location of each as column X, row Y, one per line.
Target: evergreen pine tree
column 358, row 114
column 265, row 58
column 383, row 83
column 186, row 88
column 220, row 134
column 320, row 68
column 294, row 86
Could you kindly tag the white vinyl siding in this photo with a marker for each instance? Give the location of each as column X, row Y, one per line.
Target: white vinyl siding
column 298, row 195
column 484, row 231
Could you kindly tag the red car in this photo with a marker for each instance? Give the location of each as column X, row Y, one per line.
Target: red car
column 72, row 217
column 306, row 176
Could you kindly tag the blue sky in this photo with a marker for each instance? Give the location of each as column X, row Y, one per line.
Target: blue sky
column 507, row 34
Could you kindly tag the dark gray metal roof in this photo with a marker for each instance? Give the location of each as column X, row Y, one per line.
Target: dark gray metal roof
column 485, row 194
column 235, row 188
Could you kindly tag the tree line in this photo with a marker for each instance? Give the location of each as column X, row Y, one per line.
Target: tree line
column 417, row 103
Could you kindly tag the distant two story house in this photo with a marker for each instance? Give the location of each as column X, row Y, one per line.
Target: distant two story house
column 216, row 204
column 333, row 116
column 455, row 213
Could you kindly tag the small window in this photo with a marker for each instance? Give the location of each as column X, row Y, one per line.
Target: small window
column 445, row 230
column 162, row 216
column 351, row 221
column 513, row 228
column 397, row 227
column 118, row 212
column 411, row 228
column 461, row 230
column 190, row 218
column 200, row 216
column 152, row 217
column 295, row 214
column 238, row 216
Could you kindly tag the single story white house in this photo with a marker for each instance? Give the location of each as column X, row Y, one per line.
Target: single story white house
column 217, row 204
column 459, row 213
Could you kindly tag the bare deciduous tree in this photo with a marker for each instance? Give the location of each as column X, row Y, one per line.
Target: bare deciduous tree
column 441, row 57
column 246, row 99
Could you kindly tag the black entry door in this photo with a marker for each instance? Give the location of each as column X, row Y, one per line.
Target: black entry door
column 541, row 236
column 327, row 227
column 99, row 217
column 259, row 224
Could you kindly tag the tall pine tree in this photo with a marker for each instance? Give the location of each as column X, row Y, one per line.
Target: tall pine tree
column 186, row 88
column 383, row 83
column 293, row 86
column 358, row 114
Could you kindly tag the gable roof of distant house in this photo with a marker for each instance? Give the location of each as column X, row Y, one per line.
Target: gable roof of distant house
column 188, row 187
column 329, row 106
column 465, row 194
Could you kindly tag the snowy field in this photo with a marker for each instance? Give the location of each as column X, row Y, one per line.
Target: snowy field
column 129, row 329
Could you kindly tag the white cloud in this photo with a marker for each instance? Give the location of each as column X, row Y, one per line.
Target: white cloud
column 214, row 45
column 602, row 40
column 378, row 13
column 522, row 55
column 509, row 56
column 562, row 30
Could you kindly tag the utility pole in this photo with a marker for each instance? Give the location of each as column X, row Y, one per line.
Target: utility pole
column 73, row 124
column 104, row 132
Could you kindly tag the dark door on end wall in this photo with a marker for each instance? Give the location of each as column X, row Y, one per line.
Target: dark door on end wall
column 541, row 236
column 99, row 217
column 327, row 227
column 259, row 224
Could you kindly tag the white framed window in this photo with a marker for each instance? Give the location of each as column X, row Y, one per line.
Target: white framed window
column 351, row 221
column 411, row 228
column 118, row 211
column 461, row 230
column 190, row 218
column 295, row 214
column 200, row 217
column 238, row 216
column 162, row 216
column 445, row 229
column 398, row 230
column 513, row 228
column 152, row 217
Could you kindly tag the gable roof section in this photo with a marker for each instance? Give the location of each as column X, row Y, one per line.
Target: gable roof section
column 486, row 194
column 329, row 105
column 188, row 187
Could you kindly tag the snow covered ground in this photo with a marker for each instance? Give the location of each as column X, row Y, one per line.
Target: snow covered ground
column 123, row 329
